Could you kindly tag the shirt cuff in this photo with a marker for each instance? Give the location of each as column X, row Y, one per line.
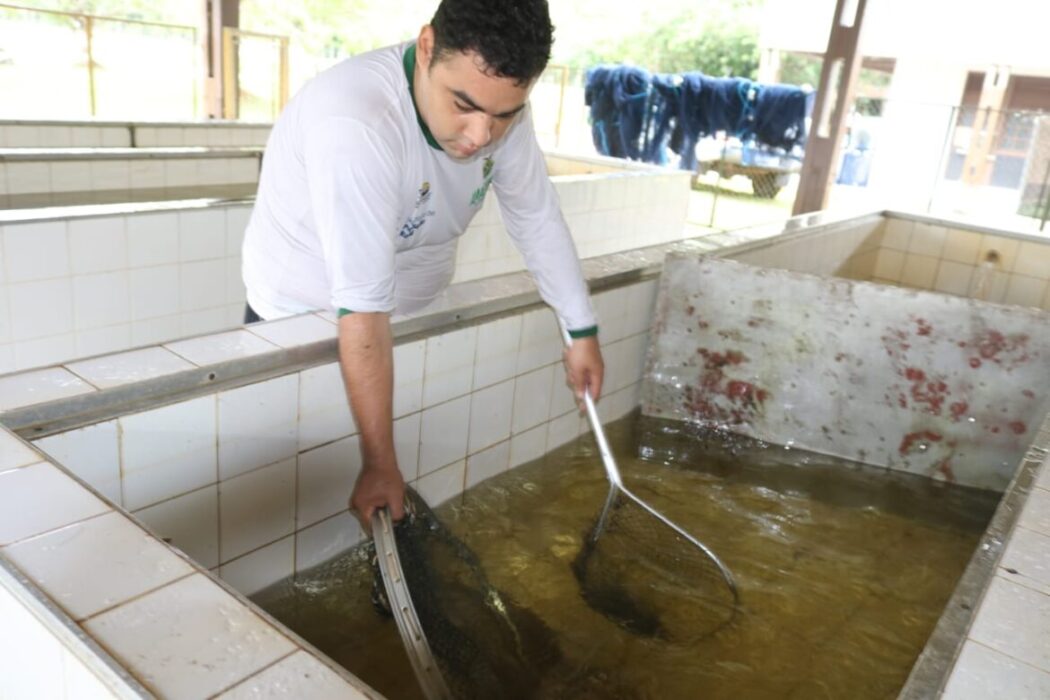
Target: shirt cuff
column 584, row 332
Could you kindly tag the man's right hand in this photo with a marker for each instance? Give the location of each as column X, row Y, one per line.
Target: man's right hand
column 377, row 487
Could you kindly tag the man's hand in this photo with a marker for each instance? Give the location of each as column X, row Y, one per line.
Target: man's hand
column 377, row 487
column 584, row 368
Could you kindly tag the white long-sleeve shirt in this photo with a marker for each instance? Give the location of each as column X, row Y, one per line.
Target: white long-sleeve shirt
column 359, row 209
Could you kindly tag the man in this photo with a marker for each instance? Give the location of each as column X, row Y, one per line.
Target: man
column 372, row 172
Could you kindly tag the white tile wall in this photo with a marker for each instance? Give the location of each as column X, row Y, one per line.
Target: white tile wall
column 441, row 485
column 488, row 463
column 91, row 453
column 527, row 446
column 35, row 251
column 443, row 434
column 97, row 245
column 541, row 342
column 189, row 522
column 449, row 365
column 141, row 253
column 42, row 351
column 153, row 239
column 257, row 570
column 325, row 478
column 406, row 445
column 154, row 293
column 408, row 377
column 490, row 416
column 324, row 412
column 321, row 542
column 258, row 425
column 256, row 509
column 41, row 309
column 101, row 300
column 496, row 357
column 168, row 451
column 532, row 399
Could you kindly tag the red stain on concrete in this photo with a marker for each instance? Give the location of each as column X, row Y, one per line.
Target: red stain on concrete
column 746, row 393
column 1009, row 350
column 1028, row 394
column 719, row 398
column 923, row 327
column 912, row 441
column 1018, row 427
column 958, row 410
column 975, row 362
column 718, row 360
column 930, row 393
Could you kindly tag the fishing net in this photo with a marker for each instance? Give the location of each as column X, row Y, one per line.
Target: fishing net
column 651, row 577
column 480, row 642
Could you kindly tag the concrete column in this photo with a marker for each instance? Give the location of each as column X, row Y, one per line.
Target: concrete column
column 918, row 119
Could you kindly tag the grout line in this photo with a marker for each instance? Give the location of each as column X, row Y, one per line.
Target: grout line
column 1021, row 583
column 138, row 596
column 259, row 671
column 1012, row 658
column 57, row 529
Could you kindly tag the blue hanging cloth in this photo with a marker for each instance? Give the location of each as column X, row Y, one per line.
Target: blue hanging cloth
column 641, row 116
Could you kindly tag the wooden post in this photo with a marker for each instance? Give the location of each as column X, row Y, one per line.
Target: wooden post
column 979, row 159
column 838, row 78
column 216, row 15
column 283, row 84
column 230, row 85
column 89, row 30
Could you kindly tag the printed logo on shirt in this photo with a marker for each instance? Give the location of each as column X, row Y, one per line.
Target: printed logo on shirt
column 419, row 217
column 486, row 173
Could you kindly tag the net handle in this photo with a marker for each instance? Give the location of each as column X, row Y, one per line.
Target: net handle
column 612, row 472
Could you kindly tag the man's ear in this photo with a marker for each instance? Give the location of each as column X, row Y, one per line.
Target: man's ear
column 425, row 47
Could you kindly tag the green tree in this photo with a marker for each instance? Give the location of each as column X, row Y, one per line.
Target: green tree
column 719, row 39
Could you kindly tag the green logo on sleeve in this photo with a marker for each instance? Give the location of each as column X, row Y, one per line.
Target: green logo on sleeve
column 486, row 173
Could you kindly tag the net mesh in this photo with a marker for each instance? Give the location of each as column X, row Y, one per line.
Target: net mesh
column 485, row 644
column 642, row 573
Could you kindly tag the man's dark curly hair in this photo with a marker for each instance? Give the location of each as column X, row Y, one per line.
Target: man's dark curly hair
column 513, row 37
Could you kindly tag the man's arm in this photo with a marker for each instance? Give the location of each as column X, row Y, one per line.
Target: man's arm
column 533, row 218
column 366, row 356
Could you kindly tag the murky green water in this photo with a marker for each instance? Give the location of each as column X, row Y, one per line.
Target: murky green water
column 843, row 571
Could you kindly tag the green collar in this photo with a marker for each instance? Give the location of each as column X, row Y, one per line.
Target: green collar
column 410, row 68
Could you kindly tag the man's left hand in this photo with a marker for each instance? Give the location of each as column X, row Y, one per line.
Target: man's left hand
column 584, row 368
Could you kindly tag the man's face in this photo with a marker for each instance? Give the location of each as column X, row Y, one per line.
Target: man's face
column 464, row 107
